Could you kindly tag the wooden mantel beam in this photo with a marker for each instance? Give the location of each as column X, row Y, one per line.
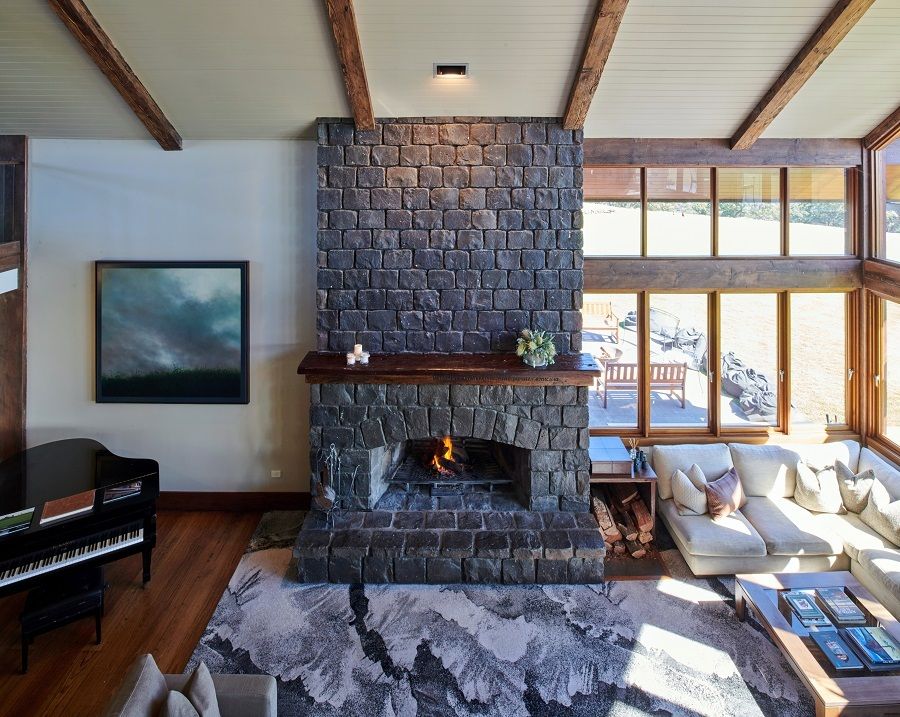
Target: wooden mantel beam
column 843, row 16
column 349, row 49
column 885, row 133
column 85, row 28
column 600, row 40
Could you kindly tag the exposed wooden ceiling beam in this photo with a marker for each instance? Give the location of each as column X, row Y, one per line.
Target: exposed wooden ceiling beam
column 885, row 133
column 843, row 16
column 346, row 39
column 84, row 26
column 600, row 40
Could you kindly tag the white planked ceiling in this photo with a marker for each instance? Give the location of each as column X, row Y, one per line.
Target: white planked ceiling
column 856, row 87
column 232, row 69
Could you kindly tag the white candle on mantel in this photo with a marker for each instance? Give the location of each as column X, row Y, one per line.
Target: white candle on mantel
column 351, row 359
column 363, row 358
column 357, row 350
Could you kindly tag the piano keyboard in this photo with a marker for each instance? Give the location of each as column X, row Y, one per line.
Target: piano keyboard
column 76, row 551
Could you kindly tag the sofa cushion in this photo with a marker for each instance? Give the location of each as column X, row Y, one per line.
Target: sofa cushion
column 177, row 705
column 884, row 471
column 725, row 495
column 817, row 489
column 714, row 460
column 201, row 691
column 771, row 470
column 854, row 487
column 766, row 470
column 883, row 569
column 732, row 536
column 142, row 692
column 822, row 455
column 788, row 529
column 689, row 491
column 882, row 514
column 855, row 534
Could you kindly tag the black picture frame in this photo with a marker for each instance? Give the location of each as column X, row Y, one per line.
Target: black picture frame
column 116, row 389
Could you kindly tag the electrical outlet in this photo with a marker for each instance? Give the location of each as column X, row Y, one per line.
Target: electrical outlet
column 275, row 474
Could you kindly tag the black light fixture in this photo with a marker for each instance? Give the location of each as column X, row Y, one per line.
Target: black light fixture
column 451, row 69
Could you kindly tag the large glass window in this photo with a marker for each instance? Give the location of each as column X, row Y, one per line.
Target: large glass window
column 679, row 386
column 749, row 343
column 612, row 211
column 890, row 380
column 892, row 207
column 610, row 334
column 818, row 360
column 818, row 212
column 749, row 211
column 679, row 212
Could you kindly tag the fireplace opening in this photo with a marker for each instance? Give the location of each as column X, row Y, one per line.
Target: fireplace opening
column 451, row 465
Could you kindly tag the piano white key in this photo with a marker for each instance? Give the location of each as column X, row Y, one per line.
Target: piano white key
column 23, row 572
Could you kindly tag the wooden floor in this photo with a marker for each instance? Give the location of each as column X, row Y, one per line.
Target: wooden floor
column 69, row 675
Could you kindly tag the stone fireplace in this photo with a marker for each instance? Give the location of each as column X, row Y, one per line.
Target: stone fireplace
column 439, row 240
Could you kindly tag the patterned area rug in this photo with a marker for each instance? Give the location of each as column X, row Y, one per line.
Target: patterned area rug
column 657, row 647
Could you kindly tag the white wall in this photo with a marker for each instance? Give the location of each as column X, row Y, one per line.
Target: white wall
column 252, row 200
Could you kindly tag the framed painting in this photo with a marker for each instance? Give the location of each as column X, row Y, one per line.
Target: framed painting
column 171, row 332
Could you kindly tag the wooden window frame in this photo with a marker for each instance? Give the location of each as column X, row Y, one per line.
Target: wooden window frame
column 852, row 202
column 782, row 429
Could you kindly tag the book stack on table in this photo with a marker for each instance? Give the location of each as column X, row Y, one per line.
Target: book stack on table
column 852, row 646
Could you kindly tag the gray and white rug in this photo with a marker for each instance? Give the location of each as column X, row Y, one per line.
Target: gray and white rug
column 659, row 647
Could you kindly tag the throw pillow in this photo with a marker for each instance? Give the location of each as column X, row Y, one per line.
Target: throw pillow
column 882, row 515
column 817, row 489
column 689, row 491
column 201, row 691
column 725, row 496
column 854, row 487
column 177, row 705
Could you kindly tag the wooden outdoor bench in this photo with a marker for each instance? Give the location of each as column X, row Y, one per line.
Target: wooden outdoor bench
column 669, row 377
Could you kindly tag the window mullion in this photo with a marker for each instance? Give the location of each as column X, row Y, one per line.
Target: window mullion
column 784, row 362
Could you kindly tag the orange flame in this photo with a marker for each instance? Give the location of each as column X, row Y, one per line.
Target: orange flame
column 443, row 451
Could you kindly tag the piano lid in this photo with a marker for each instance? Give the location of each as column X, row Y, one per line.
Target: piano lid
column 64, row 468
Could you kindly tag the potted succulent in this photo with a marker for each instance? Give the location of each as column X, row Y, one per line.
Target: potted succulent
column 536, row 348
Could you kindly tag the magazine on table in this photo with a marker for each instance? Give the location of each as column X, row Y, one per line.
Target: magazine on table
column 121, row 490
column 67, row 507
column 836, row 650
column 14, row 522
column 840, row 607
column 804, row 606
column 878, row 650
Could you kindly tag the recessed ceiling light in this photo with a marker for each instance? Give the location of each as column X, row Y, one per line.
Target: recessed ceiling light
column 451, row 69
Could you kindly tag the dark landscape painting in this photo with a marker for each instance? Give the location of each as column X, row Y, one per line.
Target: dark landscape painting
column 172, row 332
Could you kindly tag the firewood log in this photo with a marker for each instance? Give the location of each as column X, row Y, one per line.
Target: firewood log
column 619, row 548
column 641, row 516
column 623, row 494
column 635, row 549
column 645, row 538
column 626, row 525
column 601, row 513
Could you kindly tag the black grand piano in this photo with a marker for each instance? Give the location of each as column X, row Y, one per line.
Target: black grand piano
column 73, row 503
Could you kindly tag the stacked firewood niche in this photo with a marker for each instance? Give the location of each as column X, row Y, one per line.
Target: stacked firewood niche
column 623, row 518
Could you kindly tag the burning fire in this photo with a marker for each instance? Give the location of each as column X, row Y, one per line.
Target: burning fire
column 444, row 450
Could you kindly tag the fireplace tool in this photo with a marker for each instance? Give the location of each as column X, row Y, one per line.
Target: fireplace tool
column 327, row 481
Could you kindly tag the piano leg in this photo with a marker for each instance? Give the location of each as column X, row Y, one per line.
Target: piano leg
column 147, row 552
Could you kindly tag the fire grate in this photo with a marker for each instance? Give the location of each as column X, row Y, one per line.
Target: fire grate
column 481, row 469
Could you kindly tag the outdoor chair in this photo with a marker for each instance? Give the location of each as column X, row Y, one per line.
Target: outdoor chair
column 600, row 318
column 669, row 377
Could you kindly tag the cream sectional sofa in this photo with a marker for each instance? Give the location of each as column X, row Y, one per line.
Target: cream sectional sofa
column 772, row 533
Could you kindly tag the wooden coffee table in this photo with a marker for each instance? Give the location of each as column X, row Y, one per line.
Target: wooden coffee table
column 859, row 692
